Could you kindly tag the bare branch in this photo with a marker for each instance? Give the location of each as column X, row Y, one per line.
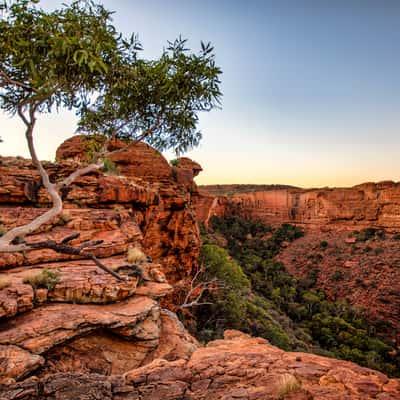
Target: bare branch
column 9, row 81
column 197, row 291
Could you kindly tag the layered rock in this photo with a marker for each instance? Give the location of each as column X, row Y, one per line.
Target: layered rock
column 238, row 367
column 145, row 204
column 61, row 313
column 369, row 204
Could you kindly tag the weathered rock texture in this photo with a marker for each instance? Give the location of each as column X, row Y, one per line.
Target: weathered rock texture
column 89, row 322
column 368, row 204
column 365, row 274
column 238, row 367
column 145, row 205
column 89, row 336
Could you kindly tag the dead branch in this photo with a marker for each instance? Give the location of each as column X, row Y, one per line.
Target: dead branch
column 197, row 291
column 64, row 248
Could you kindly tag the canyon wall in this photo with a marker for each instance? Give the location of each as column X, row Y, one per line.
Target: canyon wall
column 365, row 205
column 70, row 331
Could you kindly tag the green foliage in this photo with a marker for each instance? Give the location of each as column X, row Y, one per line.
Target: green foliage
column 47, row 279
column 233, row 306
column 288, row 312
column 55, row 58
column 323, row 244
column 74, row 57
column 366, row 234
column 337, row 275
column 2, row 230
column 109, row 167
column 174, row 162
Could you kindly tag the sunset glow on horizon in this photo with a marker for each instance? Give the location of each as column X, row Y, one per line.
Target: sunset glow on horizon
column 311, row 88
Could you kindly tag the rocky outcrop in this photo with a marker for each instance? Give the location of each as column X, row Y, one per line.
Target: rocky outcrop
column 144, row 205
column 369, row 204
column 238, row 367
column 60, row 313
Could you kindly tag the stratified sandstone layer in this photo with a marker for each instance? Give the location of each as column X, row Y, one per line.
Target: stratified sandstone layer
column 89, row 322
column 368, row 204
column 238, row 367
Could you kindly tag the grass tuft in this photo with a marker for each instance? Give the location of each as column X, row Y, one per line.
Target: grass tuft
column 47, row 279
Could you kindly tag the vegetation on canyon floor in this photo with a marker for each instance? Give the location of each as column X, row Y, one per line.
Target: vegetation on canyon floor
column 263, row 299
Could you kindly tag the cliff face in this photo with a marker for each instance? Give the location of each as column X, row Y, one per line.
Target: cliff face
column 369, row 204
column 147, row 205
column 61, row 313
column 80, row 334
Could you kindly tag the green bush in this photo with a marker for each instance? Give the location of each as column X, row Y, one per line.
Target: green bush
column 366, row 234
column 337, row 275
column 110, row 167
column 323, row 244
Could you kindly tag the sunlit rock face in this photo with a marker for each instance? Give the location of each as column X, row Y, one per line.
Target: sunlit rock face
column 144, row 204
column 365, row 205
column 89, row 336
column 237, row 367
column 87, row 321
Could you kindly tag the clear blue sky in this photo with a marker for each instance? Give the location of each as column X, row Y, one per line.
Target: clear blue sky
column 311, row 87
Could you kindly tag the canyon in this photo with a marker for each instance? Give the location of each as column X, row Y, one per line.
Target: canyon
column 357, row 207
column 90, row 336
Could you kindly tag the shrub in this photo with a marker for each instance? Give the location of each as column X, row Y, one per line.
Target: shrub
column 175, row 162
column 47, row 279
column 378, row 251
column 110, row 167
column 287, row 383
column 366, row 234
column 337, row 275
column 5, row 281
column 136, row 256
column 65, row 217
column 2, row 230
column 323, row 244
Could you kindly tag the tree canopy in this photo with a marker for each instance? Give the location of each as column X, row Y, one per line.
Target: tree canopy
column 74, row 57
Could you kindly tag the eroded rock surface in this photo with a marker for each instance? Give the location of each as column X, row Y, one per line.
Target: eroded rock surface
column 376, row 204
column 238, row 367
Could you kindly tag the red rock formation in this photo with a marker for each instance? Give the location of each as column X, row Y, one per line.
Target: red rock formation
column 366, row 274
column 89, row 322
column 145, row 204
column 90, row 336
column 369, row 204
column 238, row 367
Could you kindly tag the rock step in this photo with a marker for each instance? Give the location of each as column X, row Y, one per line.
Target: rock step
column 238, row 367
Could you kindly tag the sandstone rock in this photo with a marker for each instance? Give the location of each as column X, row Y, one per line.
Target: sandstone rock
column 17, row 363
column 238, row 367
column 350, row 208
column 50, row 325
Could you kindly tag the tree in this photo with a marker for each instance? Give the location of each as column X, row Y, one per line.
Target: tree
column 73, row 57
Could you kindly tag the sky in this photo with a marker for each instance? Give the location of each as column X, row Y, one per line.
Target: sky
column 311, row 88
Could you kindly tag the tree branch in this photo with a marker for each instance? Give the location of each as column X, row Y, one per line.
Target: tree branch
column 64, row 248
column 197, row 291
column 22, row 85
column 76, row 174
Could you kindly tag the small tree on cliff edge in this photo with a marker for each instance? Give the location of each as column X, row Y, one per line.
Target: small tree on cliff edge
column 73, row 57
